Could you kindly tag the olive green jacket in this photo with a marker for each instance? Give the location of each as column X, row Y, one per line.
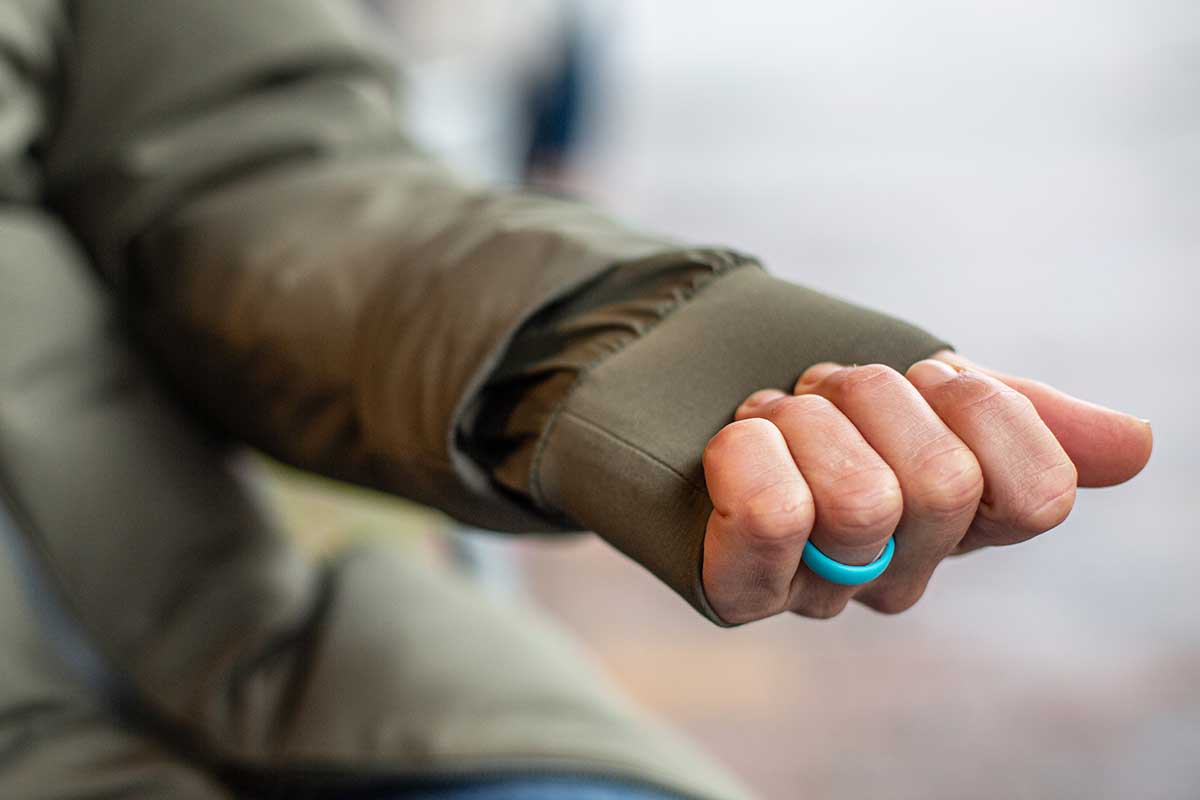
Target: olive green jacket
column 230, row 181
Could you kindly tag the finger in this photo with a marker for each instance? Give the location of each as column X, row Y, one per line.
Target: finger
column 757, row 400
column 857, row 498
column 1029, row 482
column 815, row 374
column 1107, row 447
column 939, row 476
column 762, row 516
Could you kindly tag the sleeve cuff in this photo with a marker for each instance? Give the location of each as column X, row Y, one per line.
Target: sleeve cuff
column 622, row 453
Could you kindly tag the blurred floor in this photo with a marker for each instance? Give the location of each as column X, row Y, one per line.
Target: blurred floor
column 1023, row 179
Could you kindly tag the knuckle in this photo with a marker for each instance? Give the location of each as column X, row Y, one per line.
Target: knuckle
column 732, row 436
column 823, row 607
column 866, row 379
column 798, row 406
column 778, row 515
column 896, row 600
column 868, row 502
column 737, row 431
column 989, row 401
column 1050, row 502
column 948, row 482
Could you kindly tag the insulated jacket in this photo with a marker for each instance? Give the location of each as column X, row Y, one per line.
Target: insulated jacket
column 224, row 190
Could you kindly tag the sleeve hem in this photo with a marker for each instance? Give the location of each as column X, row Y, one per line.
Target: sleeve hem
column 622, row 455
column 725, row 263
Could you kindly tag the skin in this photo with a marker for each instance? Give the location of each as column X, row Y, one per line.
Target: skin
column 949, row 457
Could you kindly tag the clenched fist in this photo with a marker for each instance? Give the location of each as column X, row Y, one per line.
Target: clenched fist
column 949, row 457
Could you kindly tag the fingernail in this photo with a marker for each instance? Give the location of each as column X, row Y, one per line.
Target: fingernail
column 929, row 373
column 754, row 401
column 818, row 372
column 758, row 398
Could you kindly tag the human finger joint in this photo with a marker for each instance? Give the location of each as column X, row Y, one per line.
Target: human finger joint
column 777, row 516
column 944, row 478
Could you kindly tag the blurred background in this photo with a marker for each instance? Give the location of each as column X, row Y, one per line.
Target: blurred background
column 1022, row 178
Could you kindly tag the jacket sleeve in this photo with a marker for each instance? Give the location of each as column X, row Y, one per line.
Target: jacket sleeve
column 328, row 293
column 311, row 280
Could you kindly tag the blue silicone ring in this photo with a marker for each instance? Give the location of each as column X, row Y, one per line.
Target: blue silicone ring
column 847, row 574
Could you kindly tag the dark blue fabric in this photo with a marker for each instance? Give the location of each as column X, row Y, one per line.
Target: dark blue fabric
column 520, row 789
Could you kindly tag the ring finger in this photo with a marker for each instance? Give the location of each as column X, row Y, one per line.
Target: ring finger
column 856, row 497
column 939, row 477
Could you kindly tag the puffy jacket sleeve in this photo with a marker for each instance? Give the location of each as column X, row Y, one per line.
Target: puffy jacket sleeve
column 333, row 296
column 322, row 288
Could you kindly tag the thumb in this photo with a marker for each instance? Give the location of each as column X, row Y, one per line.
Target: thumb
column 1107, row 447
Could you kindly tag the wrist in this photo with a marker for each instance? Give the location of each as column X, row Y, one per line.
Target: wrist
column 622, row 455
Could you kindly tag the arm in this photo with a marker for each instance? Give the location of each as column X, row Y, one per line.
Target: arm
column 322, row 288
column 332, row 296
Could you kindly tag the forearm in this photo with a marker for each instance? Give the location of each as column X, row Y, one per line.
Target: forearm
column 326, row 292
column 620, row 449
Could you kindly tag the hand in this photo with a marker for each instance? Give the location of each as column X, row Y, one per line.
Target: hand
column 949, row 457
